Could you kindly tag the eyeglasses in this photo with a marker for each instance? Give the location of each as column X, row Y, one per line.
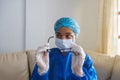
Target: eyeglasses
column 62, row 50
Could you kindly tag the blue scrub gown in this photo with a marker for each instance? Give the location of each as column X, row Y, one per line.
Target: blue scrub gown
column 60, row 68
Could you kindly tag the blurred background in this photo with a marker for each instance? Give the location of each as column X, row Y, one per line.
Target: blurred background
column 27, row 24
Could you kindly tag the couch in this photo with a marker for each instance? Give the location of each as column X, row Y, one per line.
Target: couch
column 19, row 65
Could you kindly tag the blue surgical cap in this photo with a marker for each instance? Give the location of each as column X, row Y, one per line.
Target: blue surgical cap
column 67, row 22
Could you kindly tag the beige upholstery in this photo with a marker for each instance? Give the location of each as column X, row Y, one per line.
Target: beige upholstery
column 14, row 66
column 19, row 66
column 31, row 59
column 116, row 69
column 103, row 64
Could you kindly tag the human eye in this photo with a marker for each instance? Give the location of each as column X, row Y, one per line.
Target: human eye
column 69, row 36
column 58, row 36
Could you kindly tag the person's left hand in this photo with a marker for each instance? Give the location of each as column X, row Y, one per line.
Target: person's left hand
column 42, row 58
column 78, row 58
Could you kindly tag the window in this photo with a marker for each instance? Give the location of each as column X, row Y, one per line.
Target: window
column 119, row 18
column 118, row 26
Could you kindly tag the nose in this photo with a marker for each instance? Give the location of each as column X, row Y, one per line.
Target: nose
column 63, row 37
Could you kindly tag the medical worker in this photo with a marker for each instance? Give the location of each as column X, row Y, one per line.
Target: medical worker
column 68, row 61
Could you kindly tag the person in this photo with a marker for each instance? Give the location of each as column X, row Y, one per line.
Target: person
column 66, row 62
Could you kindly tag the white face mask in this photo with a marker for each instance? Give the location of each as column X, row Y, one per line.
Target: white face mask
column 63, row 43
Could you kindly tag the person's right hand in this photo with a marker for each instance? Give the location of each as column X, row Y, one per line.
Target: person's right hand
column 42, row 59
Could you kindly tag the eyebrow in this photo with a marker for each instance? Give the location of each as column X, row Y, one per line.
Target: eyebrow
column 65, row 33
column 58, row 33
column 68, row 33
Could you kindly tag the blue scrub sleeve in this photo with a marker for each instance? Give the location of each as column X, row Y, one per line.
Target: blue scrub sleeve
column 37, row 76
column 88, row 69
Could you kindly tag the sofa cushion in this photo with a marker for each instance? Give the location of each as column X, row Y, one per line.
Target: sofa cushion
column 103, row 65
column 14, row 66
column 116, row 69
column 31, row 59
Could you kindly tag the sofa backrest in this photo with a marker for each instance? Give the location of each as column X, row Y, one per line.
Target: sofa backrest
column 116, row 69
column 14, row 66
column 19, row 66
column 103, row 65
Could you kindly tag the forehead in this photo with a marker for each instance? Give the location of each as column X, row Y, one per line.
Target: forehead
column 64, row 30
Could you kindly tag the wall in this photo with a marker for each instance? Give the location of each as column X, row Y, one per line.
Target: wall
column 43, row 18
column 37, row 18
column 35, row 23
column 12, row 25
column 88, row 19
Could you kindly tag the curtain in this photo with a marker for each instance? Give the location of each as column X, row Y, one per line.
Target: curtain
column 107, row 27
